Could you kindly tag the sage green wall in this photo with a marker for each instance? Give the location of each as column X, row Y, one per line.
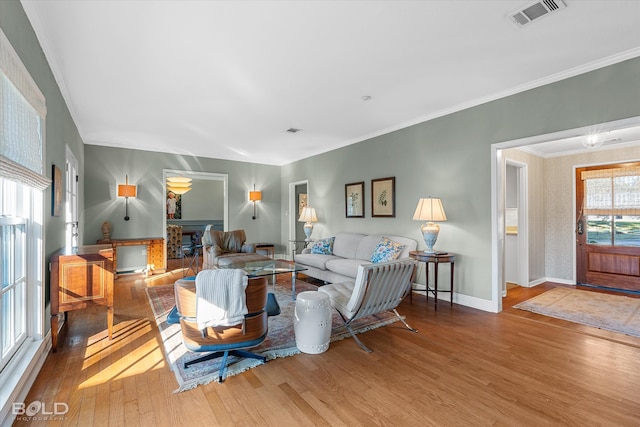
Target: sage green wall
column 205, row 201
column 60, row 128
column 107, row 167
column 450, row 157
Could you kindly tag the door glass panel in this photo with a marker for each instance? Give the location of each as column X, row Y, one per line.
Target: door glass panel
column 627, row 230
column 609, row 230
column 599, row 230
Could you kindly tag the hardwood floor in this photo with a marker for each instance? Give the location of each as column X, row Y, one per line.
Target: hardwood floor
column 464, row 367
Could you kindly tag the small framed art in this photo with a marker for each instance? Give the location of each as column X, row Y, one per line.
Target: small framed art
column 383, row 197
column 354, row 200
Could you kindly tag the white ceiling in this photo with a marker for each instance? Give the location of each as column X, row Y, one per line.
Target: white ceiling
column 226, row 79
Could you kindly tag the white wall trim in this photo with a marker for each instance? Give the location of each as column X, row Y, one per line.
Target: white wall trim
column 23, row 376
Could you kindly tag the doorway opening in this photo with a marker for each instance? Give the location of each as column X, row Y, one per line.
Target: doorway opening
column 206, row 202
column 298, row 199
column 72, row 232
column 498, row 211
column 516, row 262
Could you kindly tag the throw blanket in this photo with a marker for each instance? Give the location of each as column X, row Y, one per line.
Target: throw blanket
column 220, row 297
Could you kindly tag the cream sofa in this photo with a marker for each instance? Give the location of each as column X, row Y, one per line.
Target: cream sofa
column 350, row 250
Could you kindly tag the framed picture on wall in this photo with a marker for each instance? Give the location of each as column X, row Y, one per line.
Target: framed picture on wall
column 383, row 197
column 56, row 189
column 302, row 203
column 354, row 200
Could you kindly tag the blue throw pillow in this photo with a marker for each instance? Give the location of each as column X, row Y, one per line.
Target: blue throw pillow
column 323, row 247
column 387, row 250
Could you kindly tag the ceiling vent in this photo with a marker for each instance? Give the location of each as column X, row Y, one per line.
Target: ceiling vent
column 535, row 11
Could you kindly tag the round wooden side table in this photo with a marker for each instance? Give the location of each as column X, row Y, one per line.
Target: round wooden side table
column 435, row 258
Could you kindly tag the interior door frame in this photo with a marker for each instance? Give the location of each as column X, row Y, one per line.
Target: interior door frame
column 293, row 207
column 522, row 170
column 72, row 183
column 212, row 176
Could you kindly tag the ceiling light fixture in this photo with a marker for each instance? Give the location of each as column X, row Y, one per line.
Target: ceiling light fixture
column 293, row 130
column 592, row 141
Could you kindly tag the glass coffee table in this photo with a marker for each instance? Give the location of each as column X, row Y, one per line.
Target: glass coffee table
column 270, row 267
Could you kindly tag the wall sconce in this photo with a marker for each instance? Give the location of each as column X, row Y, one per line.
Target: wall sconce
column 126, row 191
column 255, row 196
column 308, row 216
column 430, row 209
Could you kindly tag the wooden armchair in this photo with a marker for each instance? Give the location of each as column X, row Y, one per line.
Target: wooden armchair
column 377, row 288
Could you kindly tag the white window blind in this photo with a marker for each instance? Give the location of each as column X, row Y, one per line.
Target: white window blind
column 22, row 113
column 612, row 191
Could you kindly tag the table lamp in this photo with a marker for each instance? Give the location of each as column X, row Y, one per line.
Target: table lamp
column 308, row 216
column 430, row 209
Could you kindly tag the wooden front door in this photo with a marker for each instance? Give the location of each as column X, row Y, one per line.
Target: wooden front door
column 608, row 226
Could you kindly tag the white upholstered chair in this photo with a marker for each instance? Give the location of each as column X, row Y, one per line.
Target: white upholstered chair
column 377, row 288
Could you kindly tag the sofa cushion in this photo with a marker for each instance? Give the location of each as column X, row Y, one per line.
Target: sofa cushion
column 314, row 260
column 366, row 246
column 345, row 266
column 323, row 247
column 239, row 259
column 345, row 244
column 386, row 250
column 340, row 293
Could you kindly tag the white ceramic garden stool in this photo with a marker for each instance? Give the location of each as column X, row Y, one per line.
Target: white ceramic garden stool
column 312, row 322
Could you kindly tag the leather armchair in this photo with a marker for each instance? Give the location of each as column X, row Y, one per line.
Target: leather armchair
column 223, row 341
column 226, row 247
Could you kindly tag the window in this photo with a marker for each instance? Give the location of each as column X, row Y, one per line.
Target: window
column 22, row 113
column 612, row 206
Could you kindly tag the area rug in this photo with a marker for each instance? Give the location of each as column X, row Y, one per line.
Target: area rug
column 609, row 312
column 280, row 341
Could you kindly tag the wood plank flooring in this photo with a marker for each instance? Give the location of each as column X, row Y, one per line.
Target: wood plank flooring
column 464, row 367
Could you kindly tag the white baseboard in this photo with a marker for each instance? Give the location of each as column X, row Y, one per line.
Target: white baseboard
column 466, row 300
column 551, row 279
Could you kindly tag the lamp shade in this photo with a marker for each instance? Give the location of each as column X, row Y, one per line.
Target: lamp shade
column 176, row 179
column 178, row 184
column 255, row 196
column 429, row 209
column 178, row 190
column 308, row 215
column 126, row 190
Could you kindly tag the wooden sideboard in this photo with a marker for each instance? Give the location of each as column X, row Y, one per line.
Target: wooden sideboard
column 156, row 260
column 81, row 277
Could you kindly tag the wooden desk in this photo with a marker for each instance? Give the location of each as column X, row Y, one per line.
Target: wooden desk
column 81, row 277
column 156, row 261
column 436, row 259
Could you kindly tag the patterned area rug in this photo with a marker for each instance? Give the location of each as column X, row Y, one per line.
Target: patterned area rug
column 610, row 312
column 280, row 341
